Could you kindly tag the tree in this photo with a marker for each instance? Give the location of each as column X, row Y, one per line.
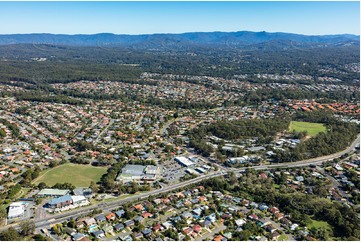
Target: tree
column 94, row 187
column 27, row 227
column 10, row 235
column 42, row 185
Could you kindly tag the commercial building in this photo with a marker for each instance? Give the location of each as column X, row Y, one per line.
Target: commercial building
column 67, row 200
column 184, row 161
column 16, row 210
column 53, row 193
column 139, row 174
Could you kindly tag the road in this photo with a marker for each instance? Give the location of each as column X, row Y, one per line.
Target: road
column 104, row 130
column 166, row 126
column 58, row 218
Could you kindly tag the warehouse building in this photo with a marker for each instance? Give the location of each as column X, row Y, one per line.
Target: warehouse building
column 183, row 161
column 53, row 193
column 16, row 210
column 139, row 174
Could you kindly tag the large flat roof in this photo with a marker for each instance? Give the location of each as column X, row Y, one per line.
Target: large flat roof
column 133, row 169
column 185, row 161
column 53, row 192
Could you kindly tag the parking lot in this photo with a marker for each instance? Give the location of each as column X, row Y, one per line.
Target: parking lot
column 172, row 171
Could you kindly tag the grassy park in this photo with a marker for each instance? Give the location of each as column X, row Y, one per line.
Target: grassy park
column 312, row 128
column 78, row 175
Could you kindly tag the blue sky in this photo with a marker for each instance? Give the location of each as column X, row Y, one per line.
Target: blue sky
column 310, row 18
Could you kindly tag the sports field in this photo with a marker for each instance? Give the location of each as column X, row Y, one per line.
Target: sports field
column 78, row 175
column 311, row 128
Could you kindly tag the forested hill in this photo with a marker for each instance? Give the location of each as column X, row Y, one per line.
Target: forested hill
column 241, row 39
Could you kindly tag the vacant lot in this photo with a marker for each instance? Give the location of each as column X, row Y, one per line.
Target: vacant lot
column 78, row 175
column 311, row 128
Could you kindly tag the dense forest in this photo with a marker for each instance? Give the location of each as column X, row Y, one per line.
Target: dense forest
column 66, row 63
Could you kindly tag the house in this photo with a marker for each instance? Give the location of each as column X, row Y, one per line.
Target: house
column 118, row 227
column 262, row 175
column 136, row 235
column 186, row 215
column 79, row 224
column 279, row 216
column 274, row 210
column 228, row 235
column 240, row 222
column 188, row 230
column 146, row 232
column 294, row 226
column 212, row 217
column 129, row 223
column 90, row 221
column 262, row 207
column 120, row 213
column 270, row 228
column 206, row 223
column 147, row 215
column 157, row 227
column 233, row 209
column 70, row 231
column 110, row 216
column 197, row 228
column 99, row 234
column 253, row 205
column 77, row 237
column 253, row 216
column 275, row 235
column 168, row 209
column 219, row 238
column 139, row 219
column 139, row 207
column 197, row 211
column 100, row 218
column 285, row 221
column 167, row 225
column 245, row 202
column 226, row 216
column 108, row 229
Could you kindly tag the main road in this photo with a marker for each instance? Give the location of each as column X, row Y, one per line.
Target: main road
column 59, row 218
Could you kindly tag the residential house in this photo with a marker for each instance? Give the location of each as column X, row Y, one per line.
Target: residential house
column 129, row 223
column 118, row 227
column 110, row 216
column 197, row 228
column 120, row 213
column 100, row 218
column 99, row 234
column 77, row 237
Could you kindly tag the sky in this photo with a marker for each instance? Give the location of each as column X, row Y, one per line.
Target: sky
column 310, row 18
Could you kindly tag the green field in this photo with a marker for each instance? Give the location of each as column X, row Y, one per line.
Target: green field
column 78, row 175
column 311, row 128
column 319, row 224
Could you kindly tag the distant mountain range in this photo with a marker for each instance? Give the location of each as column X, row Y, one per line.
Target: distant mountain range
column 241, row 39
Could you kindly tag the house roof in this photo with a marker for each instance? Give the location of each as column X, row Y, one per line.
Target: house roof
column 119, row 226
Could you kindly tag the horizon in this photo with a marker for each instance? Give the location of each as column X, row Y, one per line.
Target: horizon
column 143, row 18
column 216, row 31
